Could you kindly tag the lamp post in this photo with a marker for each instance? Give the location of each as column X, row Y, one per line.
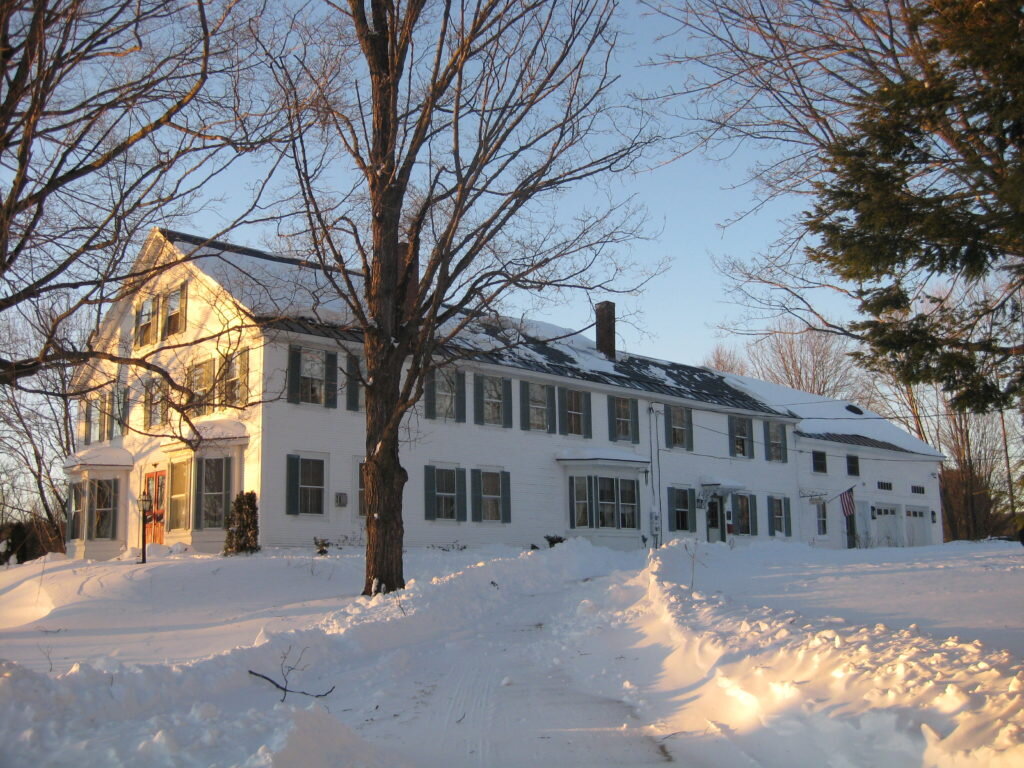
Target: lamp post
column 145, row 507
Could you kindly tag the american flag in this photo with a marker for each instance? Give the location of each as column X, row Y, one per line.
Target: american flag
column 846, row 502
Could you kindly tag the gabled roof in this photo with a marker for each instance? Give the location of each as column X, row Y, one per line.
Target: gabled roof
column 268, row 285
column 299, row 296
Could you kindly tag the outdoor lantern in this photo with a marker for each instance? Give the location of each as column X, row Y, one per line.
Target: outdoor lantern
column 145, row 507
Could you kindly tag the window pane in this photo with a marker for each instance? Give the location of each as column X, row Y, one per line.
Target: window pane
column 444, row 480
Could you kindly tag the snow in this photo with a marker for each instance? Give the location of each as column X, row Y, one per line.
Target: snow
column 772, row 654
column 100, row 456
column 821, row 415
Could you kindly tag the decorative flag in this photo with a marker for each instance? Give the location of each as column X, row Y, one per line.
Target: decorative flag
column 846, row 502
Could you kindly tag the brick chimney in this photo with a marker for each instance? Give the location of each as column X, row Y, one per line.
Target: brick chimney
column 605, row 328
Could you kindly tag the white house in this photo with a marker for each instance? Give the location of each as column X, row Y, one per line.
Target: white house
column 510, row 445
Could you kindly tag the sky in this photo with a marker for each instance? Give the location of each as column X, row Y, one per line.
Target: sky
column 678, row 315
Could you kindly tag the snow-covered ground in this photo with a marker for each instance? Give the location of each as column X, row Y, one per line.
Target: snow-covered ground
column 773, row 654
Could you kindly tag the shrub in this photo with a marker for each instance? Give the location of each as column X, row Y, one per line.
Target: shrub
column 243, row 525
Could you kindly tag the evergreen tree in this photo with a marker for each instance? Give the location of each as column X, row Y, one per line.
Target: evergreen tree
column 923, row 204
column 243, row 526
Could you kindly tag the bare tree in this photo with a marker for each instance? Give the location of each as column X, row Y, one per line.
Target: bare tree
column 727, row 360
column 431, row 143
column 114, row 114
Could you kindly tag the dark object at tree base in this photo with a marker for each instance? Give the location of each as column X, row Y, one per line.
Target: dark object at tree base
column 552, row 540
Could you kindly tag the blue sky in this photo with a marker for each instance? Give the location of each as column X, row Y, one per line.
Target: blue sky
column 687, row 201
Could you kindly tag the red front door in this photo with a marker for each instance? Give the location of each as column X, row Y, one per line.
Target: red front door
column 156, row 487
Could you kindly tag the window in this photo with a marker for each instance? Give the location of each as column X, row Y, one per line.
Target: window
column 884, row 485
column 778, row 516
column 311, row 486
column 606, row 502
column 77, row 510
column 917, row 489
column 492, row 400
column 623, row 421
column 177, row 516
column 445, row 494
column 538, row 407
column 681, row 510
column 312, row 377
column 741, row 441
column 174, row 304
column 819, row 462
column 445, row 381
column 214, row 491
column 678, row 427
column 362, row 489
column 775, row 441
column 821, row 513
column 853, row 465
column 202, row 385
column 146, row 321
column 154, row 403
column 576, row 412
column 234, row 379
column 103, row 509
column 580, row 502
column 628, row 517
column 488, row 495
column 744, row 514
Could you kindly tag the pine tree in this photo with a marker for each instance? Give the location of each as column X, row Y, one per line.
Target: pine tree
column 923, row 201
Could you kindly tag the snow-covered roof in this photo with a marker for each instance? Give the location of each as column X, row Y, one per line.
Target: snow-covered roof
column 266, row 284
column 304, row 297
column 839, row 421
column 99, row 456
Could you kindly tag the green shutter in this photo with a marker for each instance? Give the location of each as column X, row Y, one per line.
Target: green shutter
column 552, row 425
column 732, row 435
column 524, row 405
column 767, row 442
column 753, row 514
column 198, row 466
column 786, row 516
column 771, row 517
column 294, row 368
column 572, row 500
column 115, row 506
column 460, row 494
column 506, row 403
column 183, row 308
column 563, row 412
column 612, row 436
column 352, row 382
column 227, row 489
column 331, row 380
column 691, row 510
column 506, row 497
column 460, row 397
column 591, row 501
column 670, row 509
column 243, row 377
column 430, row 394
column 634, row 419
column 429, row 494
column 476, row 495
column 478, row 399
column 291, row 484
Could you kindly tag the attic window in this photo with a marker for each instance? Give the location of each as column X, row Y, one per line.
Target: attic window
column 854, row 409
